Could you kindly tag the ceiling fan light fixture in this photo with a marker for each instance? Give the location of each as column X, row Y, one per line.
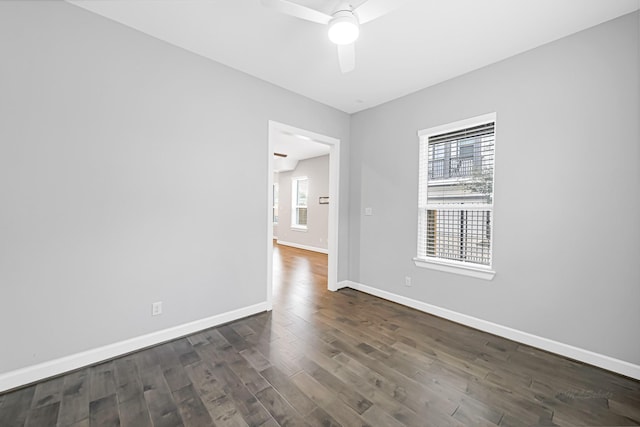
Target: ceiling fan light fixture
column 344, row 28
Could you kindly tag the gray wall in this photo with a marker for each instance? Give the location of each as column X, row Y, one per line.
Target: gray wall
column 317, row 170
column 115, row 156
column 567, row 198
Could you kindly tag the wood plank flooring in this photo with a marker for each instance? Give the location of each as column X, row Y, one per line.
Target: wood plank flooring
column 330, row 359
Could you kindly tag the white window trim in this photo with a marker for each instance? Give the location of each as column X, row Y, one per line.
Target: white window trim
column 275, row 205
column 452, row 266
column 294, row 203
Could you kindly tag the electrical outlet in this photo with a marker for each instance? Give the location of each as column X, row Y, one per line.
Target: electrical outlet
column 368, row 211
column 407, row 281
column 156, row 308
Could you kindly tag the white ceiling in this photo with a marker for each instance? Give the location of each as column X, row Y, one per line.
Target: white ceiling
column 420, row 44
column 296, row 147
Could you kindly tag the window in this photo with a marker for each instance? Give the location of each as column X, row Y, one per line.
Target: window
column 299, row 192
column 275, row 202
column 455, row 203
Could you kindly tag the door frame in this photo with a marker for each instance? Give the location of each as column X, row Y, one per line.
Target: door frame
column 275, row 129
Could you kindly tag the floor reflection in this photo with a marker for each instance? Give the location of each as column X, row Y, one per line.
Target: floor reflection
column 299, row 279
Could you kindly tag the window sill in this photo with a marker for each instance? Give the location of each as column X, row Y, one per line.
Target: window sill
column 457, row 268
column 298, row 228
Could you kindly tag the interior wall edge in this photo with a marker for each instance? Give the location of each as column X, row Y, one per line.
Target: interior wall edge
column 31, row 374
column 582, row 355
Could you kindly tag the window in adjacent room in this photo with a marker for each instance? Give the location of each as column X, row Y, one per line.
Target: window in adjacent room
column 275, row 202
column 300, row 191
column 455, row 203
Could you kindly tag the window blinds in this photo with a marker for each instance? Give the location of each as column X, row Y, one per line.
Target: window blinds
column 456, row 194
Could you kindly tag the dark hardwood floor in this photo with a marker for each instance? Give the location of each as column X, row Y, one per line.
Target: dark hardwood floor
column 329, row 359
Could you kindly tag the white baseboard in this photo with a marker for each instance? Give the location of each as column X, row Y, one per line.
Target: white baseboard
column 20, row 377
column 609, row 363
column 345, row 284
column 305, row 247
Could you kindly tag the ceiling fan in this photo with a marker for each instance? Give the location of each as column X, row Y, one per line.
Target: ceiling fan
column 343, row 24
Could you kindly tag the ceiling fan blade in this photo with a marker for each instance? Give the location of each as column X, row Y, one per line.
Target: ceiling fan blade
column 347, row 57
column 372, row 9
column 297, row 10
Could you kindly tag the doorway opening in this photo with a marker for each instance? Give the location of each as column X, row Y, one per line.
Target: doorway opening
column 278, row 131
